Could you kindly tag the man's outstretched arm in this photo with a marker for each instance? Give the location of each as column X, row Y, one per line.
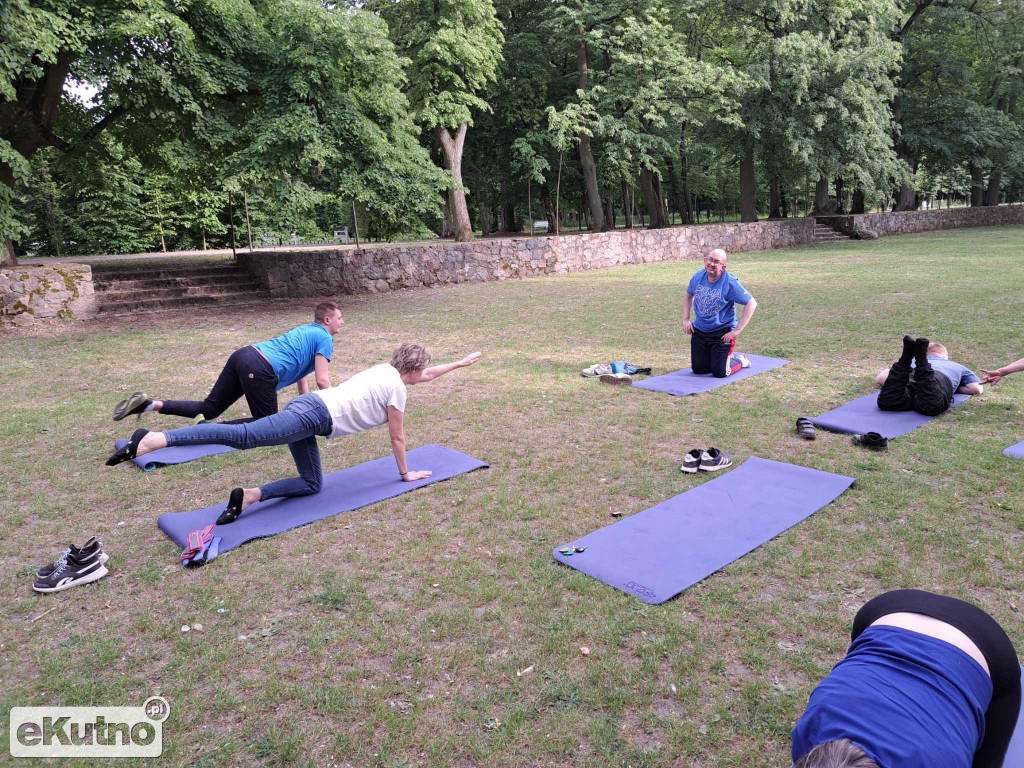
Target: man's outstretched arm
column 748, row 312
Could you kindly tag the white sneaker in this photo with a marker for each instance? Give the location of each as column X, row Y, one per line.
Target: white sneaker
column 734, row 360
column 597, row 369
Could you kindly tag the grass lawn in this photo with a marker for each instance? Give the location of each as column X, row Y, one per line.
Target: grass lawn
column 393, row 635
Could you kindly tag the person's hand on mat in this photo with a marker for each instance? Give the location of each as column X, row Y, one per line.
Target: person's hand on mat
column 469, row 359
column 687, row 327
column 730, row 337
column 418, row 474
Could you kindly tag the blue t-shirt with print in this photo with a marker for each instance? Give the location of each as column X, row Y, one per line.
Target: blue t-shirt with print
column 957, row 374
column 293, row 354
column 713, row 303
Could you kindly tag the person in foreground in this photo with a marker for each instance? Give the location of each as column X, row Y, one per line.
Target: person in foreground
column 928, row 682
column 712, row 295
column 924, row 379
column 993, row 377
column 258, row 371
column 369, row 399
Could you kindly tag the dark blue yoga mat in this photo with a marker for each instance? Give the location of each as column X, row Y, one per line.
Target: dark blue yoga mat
column 1015, row 752
column 342, row 491
column 1015, row 452
column 657, row 553
column 863, row 415
column 173, row 454
column 686, row 382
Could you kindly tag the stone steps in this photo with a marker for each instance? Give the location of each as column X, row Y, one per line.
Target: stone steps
column 143, row 291
column 825, row 234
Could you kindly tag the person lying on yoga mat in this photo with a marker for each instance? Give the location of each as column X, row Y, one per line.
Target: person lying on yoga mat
column 924, row 379
column 993, row 377
column 712, row 295
column 928, row 682
column 257, row 372
column 369, row 399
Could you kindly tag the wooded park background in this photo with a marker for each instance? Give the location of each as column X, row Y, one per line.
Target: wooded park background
column 125, row 127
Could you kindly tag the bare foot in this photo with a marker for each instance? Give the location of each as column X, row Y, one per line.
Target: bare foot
column 154, row 441
column 250, row 496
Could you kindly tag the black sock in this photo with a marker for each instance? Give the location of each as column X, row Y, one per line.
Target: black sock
column 921, row 351
column 908, row 351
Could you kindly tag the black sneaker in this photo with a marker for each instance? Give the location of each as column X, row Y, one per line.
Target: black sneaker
column 691, row 461
column 871, row 440
column 71, row 573
column 132, row 406
column 805, row 428
column 87, row 550
column 713, row 460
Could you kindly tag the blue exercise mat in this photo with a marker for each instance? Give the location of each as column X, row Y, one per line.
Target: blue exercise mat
column 686, row 382
column 863, row 415
column 1015, row 752
column 173, row 454
column 342, row 491
column 657, row 553
column 1015, row 452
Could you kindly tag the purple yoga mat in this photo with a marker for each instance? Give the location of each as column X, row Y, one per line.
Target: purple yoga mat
column 686, row 382
column 173, row 454
column 657, row 553
column 863, row 415
column 1015, row 452
column 342, row 491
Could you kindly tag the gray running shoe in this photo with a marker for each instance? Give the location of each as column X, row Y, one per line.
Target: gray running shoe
column 713, row 460
column 691, row 461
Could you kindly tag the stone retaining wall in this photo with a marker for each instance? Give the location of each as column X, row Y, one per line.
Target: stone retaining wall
column 908, row 222
column 373, row 270
column 29, row 295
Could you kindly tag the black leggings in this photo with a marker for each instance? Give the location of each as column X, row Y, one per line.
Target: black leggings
column 918, row 389
column 709, row 354
column 992, row 641
column 247, row 373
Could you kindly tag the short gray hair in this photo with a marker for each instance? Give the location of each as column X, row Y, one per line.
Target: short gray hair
column 836, row 754
column 410, row 357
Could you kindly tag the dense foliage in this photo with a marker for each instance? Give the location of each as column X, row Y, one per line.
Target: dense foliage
column 302, row 117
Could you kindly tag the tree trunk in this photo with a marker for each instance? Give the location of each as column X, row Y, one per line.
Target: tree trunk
column 748, row 202
column 992, row 193
column 485, row 218
column 821, row 201
column 858, row 201
column 687, row 212
column 774, row 211
column 840, row 191
column 8, row 259
column 784, row 202
column 678, row 196
column 451, row 147
column 651, row 186
column 609, row 213
column 586, row 153
column 977, row 185
column 627, row 206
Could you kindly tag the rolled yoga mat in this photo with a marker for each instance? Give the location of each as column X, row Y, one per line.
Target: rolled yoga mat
column 863, row 415
column 342, row 491
column 173, row 454
column 686, row 382
column 1015, row 452
column 657, row 553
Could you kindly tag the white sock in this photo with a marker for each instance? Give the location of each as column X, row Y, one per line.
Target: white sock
column 150, row 407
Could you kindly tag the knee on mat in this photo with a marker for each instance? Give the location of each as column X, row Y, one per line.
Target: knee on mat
column 720, row 374
column 314, row 484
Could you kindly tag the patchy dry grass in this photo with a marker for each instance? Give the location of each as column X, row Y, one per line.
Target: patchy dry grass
column 353, row 657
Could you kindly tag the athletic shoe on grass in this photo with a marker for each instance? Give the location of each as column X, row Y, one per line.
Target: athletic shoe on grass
column 691, row 461
column 617, row 378
column 713, row 460
column 871, row 440
column 72, row 572
column 597, row 369
column 133, row 405
column 805, row 428
column 87, row 550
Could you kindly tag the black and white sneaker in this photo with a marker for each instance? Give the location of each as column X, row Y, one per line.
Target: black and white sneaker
column 713, row 460
column 691, row 461
column 132, row 406
column 87, row 550
column 871, row 440
column 71, row 573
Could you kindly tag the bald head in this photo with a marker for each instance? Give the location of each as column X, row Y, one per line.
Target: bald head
column 714, row 264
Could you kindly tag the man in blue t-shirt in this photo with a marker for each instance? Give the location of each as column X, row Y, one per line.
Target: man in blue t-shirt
column 712, row 295
column 924, row 379
column 258, row 371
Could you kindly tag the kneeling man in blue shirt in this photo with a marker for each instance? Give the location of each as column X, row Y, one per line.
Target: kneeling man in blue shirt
column 257, row 371
column 712, row 295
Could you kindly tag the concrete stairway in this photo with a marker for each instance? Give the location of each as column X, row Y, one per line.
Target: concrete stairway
column 824, row 233
column 139, row 291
